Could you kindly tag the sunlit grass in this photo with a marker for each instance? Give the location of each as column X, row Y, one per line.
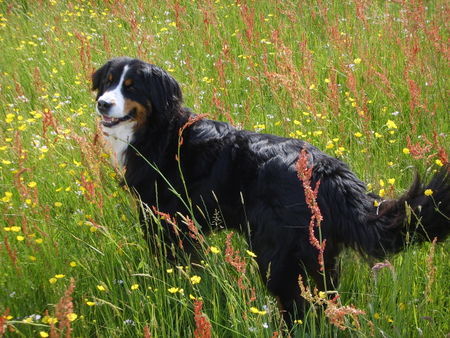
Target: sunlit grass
column 364, row 81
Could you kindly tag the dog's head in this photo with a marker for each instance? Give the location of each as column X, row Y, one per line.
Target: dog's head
column 132, row 91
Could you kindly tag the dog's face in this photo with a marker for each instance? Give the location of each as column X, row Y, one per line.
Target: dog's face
column 131, row 92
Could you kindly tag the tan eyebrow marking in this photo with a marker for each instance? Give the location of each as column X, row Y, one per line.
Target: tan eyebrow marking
column 110, row 77
column 128, row 82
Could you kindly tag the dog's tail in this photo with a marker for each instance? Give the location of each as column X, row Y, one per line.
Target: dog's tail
column 382, row 227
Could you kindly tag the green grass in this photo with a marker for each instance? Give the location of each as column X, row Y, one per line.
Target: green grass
column 332, row 73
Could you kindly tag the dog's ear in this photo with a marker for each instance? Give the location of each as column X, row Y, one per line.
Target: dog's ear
column 163, row 91
column 99, row 75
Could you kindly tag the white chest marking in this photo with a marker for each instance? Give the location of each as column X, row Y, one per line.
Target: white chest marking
column 119, row 137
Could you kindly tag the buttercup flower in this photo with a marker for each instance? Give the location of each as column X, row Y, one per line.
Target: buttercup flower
column 251, row 253
column 173, row 290
column 72, row 316
column 257, row 311
column 391, row 124
column 196, row 279
column 214, row 249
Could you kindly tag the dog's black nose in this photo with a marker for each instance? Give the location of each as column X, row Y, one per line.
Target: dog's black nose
column 103, row 106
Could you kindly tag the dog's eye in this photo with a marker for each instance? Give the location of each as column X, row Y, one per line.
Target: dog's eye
column 129, row 85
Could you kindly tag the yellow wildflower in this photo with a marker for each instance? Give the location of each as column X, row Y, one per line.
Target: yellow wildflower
column 9, row 118
column 317, row 132
column 215, row 250
column 256, row 311
column 72, row 316
column 428, row 192
column 251, row 253
column 196, row 279
column 391, row 124
column 52, row 320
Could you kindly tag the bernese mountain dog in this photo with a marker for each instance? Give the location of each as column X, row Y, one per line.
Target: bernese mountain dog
column 178, row 163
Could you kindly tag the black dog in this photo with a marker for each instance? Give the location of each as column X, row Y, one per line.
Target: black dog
column 252, row 180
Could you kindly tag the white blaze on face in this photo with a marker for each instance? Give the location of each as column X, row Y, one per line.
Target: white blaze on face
column 121, row 135
column 115, row 97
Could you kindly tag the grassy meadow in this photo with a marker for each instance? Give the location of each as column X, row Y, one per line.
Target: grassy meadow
column 366, row 81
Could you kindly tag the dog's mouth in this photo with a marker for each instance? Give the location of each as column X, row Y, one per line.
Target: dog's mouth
column 109, row 122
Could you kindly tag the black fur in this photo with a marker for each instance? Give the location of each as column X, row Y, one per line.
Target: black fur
column 259, row 169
